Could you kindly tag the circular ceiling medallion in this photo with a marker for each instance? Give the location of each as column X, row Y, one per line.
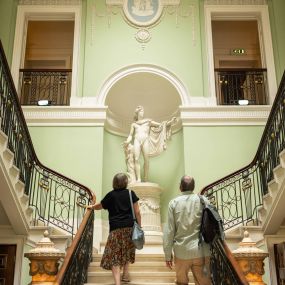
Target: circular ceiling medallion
column 142, row 12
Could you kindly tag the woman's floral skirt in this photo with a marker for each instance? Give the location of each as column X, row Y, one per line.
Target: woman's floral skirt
column 119, row 249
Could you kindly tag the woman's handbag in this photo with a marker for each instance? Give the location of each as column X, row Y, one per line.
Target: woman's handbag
column 138, row 233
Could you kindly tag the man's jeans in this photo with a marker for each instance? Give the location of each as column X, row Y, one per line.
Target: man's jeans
column 183, row 266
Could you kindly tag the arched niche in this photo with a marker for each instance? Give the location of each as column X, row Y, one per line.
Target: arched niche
column 157, row 90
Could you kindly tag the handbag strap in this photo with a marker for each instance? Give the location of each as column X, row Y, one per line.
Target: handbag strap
column 131, row 199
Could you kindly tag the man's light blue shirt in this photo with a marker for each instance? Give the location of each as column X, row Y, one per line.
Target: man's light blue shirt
column 182, row 230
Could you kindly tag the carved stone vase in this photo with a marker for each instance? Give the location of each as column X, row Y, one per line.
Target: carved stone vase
column 250, row 259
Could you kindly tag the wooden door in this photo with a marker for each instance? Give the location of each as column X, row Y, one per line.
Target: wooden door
column 7, row 264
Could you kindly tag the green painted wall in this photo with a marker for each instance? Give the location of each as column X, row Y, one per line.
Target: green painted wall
column 8, row 11
column 173, row 46
column 92, row 156
column 76, row 152
column 277, row 22
column 213, row 152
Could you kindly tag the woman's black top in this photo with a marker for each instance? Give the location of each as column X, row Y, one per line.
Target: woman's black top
column 118, row 204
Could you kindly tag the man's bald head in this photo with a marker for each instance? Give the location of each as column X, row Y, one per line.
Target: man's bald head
column 187, row 183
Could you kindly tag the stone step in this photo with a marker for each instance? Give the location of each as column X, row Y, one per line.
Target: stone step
column 154, row 277
column 3, row 139
column 136, row 283
column 150, row 266
column 139, row 257
column 278, row 173
column 282, row 157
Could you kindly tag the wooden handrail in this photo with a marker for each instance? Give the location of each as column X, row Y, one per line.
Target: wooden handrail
column 235, row 264
column 73, row 247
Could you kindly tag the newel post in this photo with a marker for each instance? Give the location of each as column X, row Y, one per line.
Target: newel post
column 44, row 261
column 250, row 258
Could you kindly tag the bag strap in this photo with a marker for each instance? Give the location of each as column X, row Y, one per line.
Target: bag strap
column 202, row 201
column 204, row 270
column 203, row 207
column 133, row 212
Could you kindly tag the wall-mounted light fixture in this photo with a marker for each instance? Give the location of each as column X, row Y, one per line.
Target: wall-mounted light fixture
column 44, row 102
column 243, row 102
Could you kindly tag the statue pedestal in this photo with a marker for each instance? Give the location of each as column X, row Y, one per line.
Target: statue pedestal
column 149, row 194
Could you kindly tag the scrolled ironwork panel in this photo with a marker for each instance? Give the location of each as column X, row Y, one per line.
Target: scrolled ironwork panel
column 50, row 85
column 233, row 85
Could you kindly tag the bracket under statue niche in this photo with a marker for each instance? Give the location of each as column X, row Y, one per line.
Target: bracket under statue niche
column 144, row 15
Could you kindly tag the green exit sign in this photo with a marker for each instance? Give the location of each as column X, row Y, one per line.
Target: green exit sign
column 238, row 51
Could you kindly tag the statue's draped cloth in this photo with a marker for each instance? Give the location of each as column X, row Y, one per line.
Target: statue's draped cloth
column 158, row 137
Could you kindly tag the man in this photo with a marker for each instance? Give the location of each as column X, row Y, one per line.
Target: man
column 182, row 236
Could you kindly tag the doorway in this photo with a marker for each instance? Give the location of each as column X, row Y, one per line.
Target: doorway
column 240, row 78
column 7, row 264
column 46, row 76
column 239, row 37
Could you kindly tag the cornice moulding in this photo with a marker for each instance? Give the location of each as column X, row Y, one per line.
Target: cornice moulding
column 65, row 116
column 224, row 115
column 50, row 2
column 190, row 116
column 236, row 2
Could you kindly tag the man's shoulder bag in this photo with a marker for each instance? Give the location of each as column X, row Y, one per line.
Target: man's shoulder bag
column 211, row 224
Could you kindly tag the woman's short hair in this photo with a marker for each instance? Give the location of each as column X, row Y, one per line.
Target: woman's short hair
column 187, row 183
column 120, row 181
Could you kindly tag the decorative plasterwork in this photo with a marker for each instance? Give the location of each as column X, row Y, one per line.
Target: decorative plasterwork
column 235, row 2
column 190, row 116
column 50, row 2
column 65, row 116
column 224, row 115
column 141, row 13
column 140, row 18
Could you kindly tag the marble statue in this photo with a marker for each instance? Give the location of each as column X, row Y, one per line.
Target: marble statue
column 148, row 138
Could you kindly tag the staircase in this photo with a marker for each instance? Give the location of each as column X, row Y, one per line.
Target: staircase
column 16, row 203
column 271, row 214
column 147, row 269
column 151, row 268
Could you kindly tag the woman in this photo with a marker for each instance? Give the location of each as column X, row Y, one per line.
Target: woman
column 119, row 250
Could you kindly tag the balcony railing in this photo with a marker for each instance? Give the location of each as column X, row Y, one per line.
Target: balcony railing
column 241, row 86
column 52, row 85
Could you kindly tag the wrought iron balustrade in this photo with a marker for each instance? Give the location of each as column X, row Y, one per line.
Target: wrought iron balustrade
column 239, row 195
column 224, row 268
column 234, row 85
column 52, row 85
column 54, row 198
column 79, row 255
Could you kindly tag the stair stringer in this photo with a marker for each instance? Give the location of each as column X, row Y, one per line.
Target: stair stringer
column 16, row 203
column 10, row 197
column 271, row 214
